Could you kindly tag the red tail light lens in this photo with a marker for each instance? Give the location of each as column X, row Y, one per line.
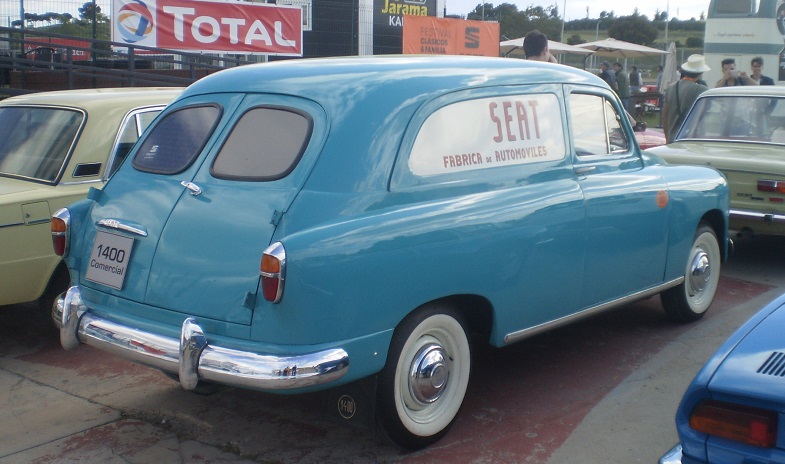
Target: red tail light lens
column 61, row 219
column 772, row 186
column 745, row 424
column 273, row 272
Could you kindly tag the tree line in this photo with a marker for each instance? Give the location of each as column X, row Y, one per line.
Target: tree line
column 635, row 28
column 87, row 13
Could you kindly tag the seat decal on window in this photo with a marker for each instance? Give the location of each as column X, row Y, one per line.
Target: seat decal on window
column 489, row 132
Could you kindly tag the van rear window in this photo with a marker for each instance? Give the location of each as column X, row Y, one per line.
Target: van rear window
column 176, row 141
column 265, row 145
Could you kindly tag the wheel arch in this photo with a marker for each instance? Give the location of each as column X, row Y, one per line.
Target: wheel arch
column 718, row 222
column 476, row 310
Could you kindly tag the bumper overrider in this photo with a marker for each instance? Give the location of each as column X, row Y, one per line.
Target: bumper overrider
column 191, row 357
column 673, row 456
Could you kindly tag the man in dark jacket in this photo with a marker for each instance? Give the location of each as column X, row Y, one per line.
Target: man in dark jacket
column 607, row 75
column 757, row 67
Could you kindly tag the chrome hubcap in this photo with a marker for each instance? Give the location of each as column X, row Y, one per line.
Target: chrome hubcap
column 700, row 271
column 429, row 374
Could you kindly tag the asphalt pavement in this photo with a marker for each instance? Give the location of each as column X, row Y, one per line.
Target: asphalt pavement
column 603, row 390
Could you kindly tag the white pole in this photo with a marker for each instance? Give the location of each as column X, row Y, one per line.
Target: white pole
column 563, row 14
column 668, row 19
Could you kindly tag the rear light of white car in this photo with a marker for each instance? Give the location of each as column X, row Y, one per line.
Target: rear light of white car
column 772, row 186
column 753, row 426
column 61, row 219
column 273, row 272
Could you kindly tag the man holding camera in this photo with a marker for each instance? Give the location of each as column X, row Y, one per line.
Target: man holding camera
column 731, row 76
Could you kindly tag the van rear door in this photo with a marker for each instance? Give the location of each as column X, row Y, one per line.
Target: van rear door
column 208, row 256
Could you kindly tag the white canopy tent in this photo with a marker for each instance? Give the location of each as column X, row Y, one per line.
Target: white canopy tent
column 669, row 70
column 620, row 48
column 514, row 47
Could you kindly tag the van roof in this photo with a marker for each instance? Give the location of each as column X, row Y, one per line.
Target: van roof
column 403, row 75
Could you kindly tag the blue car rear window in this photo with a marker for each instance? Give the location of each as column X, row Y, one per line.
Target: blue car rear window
column 176, row 141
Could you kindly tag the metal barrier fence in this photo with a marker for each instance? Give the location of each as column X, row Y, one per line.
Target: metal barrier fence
column 46, row 62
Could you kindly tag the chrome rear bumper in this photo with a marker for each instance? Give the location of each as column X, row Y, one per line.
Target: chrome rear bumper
column 191, row 357
column 757, row 216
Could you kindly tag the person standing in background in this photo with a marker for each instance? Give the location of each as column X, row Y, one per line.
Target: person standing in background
column 680, row 96
column 732, row 76
column 757, row 68
column 636, row 80
column 535, row 47
column 659, row 78
column 607, row 75
column 622, row 86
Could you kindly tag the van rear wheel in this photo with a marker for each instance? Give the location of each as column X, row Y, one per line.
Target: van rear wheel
column 424, row 381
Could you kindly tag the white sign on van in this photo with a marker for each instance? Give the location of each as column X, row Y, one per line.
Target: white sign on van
column 490, row 132
column 109, row 259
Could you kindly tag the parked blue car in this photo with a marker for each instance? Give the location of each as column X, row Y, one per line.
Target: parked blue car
column 734, row 409
column 302, row 225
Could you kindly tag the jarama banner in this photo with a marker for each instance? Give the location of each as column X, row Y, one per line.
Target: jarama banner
column 445, row 36
column 209, row 26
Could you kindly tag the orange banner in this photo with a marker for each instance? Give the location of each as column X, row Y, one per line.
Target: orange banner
column 427, row 35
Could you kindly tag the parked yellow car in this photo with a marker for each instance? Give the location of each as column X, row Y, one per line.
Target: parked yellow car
column 54, row 146
column 741, row 132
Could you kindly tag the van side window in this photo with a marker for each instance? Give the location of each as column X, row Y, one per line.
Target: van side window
column 266, row 144
column 176, row 141
column 596, row 126
column 501, row 131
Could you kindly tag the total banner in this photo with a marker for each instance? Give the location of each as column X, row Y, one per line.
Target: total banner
column 209, row 26
column 444, row 36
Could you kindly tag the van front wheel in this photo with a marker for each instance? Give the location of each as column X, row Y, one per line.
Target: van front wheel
column 690, row 300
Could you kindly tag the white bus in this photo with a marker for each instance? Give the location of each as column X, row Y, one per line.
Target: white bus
column 744, row 29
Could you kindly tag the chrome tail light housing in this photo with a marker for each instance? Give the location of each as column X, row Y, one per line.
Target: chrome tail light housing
column 60, row 225
column 273, row 272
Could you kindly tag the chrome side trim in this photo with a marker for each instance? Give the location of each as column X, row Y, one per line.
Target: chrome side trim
column 763, row 217
column 525, row 333
column 192, row 357
column 118, row 225
column 82, row 182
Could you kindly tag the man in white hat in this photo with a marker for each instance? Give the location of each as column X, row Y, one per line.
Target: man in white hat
column 680, row 96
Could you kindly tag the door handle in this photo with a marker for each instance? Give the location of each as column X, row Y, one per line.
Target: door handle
column 195, row 189
column 581, row 170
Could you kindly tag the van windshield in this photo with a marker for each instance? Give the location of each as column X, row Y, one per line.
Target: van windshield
column 35, row 141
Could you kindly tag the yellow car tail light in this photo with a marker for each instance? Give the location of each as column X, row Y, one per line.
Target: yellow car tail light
column 772, row 186
column 61, row 219
column 273, row 272
column 745, row 424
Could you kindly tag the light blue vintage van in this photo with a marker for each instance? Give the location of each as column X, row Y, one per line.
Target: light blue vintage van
column 304, row 225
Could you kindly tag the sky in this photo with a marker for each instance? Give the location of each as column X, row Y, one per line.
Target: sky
column 576, row 9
